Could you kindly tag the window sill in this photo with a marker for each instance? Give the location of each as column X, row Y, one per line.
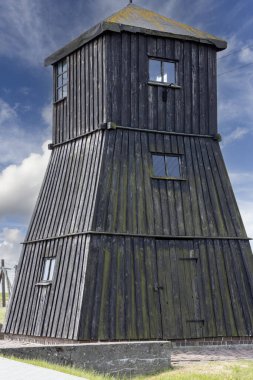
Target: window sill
column 43, row 283
column 60, row 100
column 169, row 85
column 169, row 178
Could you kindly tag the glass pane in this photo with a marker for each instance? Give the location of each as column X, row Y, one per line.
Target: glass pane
column 59, row 81
column 158, row 165
column 64, row 65
column 59, row 68
column 155, row 70
column 59, row 93
column 169, row 72
column 46, row 270
column 173, row 166
column 64, row 78
column 50, row 277
column 64, row 91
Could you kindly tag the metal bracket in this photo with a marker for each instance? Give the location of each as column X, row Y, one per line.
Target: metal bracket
column 50, row 146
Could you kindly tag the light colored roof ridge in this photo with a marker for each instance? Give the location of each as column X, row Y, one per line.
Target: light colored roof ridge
column 135, row 19
column 134, row 15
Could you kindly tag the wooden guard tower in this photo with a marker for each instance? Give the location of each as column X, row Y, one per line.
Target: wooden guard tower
column 136, row 233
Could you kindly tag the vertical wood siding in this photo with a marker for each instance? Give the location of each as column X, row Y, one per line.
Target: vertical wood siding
column 53, row 310
column 135, row 103
column 151, row 289
column 85, row 106
column 108, row 81
column 129, row 200
column 115, row 287
column 68, row 194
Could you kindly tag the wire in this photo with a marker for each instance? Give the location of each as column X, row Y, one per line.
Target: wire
column 234, row 51
column 237, row 68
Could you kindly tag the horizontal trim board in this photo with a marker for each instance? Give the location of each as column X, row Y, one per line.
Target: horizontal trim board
column 158, row 237
column 214, row 137
column 52, row 146
column 164, row 84
column 111, row 126
column 168, row 178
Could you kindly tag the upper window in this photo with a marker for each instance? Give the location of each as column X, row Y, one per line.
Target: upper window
column 166, row 166
column 48, row 269
column 162, row 71
column 61, row 79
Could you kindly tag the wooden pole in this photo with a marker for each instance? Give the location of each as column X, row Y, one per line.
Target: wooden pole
column 3, row 285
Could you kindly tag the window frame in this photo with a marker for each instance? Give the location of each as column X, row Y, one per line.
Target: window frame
column 57, row 87
column 167, row 177
column 50, row 273
column 162, row 83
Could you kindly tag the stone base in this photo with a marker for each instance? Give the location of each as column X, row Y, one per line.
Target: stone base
column 220, row 341
column 121, row 358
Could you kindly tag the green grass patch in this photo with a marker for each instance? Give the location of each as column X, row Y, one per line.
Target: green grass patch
column 233, row 370
column 6, row 297
column 2, row 314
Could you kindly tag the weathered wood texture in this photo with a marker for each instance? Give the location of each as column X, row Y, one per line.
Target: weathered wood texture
column 114, row 287
column 108, row 81
column 67, row 198
column 52, row 310
column 129, row 200
column 152, row 289
column 85, row 106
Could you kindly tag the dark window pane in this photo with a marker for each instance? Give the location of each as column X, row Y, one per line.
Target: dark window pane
column 158, row 165
column 64, row 78
column 155, row 70
column 172, row 166
column 59, row 93
column 59, row 81
column 64, row 91
column 169, row 72
column 59, row 68
column 64, row 65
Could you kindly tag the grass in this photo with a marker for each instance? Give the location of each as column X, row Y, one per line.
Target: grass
column 2, row 314
column 2, row 309
column 234, row 370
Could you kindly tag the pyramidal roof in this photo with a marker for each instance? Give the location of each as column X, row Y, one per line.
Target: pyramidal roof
column 135, row 19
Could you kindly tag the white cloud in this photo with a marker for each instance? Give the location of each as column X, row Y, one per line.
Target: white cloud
column 10, row 248
column 47, row 114
column 16, row 141
column 20, row 184
column 246, row 55
column 235, row 97
column 235, row 135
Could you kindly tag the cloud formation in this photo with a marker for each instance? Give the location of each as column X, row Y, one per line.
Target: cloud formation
column 20, row 184
column 10, row 248
column 16, row 140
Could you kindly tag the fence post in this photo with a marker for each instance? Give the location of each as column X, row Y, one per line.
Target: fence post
column 3, row 284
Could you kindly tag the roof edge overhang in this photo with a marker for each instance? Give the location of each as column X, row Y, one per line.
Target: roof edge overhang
column 102, row 27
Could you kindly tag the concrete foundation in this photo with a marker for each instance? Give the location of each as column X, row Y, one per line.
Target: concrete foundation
column 122, row 358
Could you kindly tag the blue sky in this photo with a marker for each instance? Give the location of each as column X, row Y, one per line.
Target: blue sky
column 32, row 29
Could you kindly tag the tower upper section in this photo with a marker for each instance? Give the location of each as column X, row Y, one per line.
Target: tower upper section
column 137, row 69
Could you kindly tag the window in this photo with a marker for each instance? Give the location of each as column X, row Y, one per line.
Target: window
column 166, row 166
column 61, row 80
column 48, row 269
column 162, row 71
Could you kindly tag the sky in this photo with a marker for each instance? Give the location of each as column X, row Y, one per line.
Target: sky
column 30, row 30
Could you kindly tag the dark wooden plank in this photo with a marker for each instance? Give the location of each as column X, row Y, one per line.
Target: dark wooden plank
column 125, row 78
column 153, row 298
column 195, row 88
column 212, row 91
